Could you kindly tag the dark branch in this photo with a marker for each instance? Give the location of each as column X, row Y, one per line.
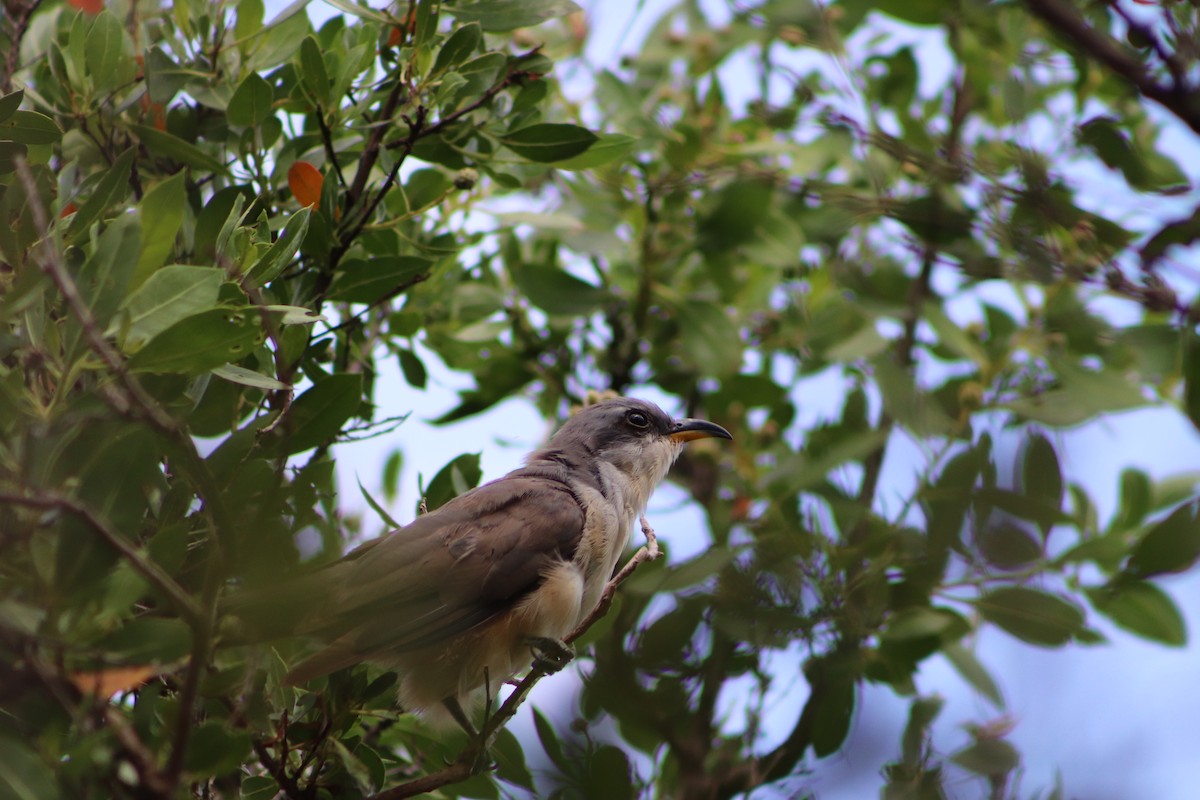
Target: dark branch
column 1062, row 17
column 147, row 569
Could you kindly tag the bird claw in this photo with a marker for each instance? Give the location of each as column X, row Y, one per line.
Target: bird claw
column 550, row 654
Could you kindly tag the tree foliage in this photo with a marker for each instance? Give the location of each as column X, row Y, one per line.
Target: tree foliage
column 219, row 230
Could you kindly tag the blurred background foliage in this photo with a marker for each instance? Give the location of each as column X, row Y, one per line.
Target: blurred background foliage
column 221, row 227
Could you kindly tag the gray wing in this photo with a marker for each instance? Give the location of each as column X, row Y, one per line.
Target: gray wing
column 445, row 573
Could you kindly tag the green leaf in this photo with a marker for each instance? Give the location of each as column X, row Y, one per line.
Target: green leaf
column 26, row 776
column 907, row 403
column 248, row 377
column 425, row 23
column 413, row 368
column 258, row 787
column 424, row 188
column 608, row 147
column 111, row 188
column 461, row 474
column 510, row 760
column 214, row 749
column 1142, row 609
column 367, row 281
column 251, row 102
column 964, row 661
column 277, row 259
column 376, row 507
column 461, row 45
column 390, row 479
column 1085, row 394
column 250, row 15
column 1055, row 407
column 922, row 713
column 285, row 32
column 735, row 215
column 497, row 16
column 922, row 622
column 708, row 337
column 1041, row 477
column 1006, row 545
column 201, row 342
column 164, row 78
column 317, row 416
column 1180, row 232
column 9, row 104
column 556, row 291
column 609, row 774
column 167, row 145
column 312, row 70
column 104, row 278
column 954, row 337
column 1135, row 500
column 918, row 12
column 830, row 706
column 30, row 127
column 548, row 142
column 1172, row 545
column 1191, row 377
column 148, row 640
column 550, row 743
column 935, row 219
column 162, row 215
column 988, row 757
column 354, row 767
column 293, row 315
column 1031, row 615
column 108, row 63
column 677, row 577
column 799, row 471
column 169, row 295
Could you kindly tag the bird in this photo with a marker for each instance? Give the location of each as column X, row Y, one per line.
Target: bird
column 458, row 600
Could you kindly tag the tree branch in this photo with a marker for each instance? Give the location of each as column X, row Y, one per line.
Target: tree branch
column 153, row 573
column 133, row 399
column 21, row 14
column 1062, row 18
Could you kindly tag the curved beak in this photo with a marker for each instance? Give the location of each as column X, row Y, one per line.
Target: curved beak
column 685, row 430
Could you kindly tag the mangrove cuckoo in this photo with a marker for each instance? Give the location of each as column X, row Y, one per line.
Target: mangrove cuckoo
column 457, row 600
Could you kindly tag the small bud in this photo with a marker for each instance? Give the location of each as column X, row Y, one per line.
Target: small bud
column 466, row 179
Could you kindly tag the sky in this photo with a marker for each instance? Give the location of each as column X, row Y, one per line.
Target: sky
column 1120, row 720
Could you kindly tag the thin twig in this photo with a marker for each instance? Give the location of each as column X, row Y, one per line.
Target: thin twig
column 147, row 569
column 21, row 14
column 144, row 759
column 327, row 139
column 134, row 399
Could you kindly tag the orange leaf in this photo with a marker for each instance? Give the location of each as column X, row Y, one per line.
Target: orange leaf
column 67, row 210
column 107, row 682
column 305, row 182
column 88, row 6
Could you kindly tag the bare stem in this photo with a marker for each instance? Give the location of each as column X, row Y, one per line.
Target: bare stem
column 146, row 568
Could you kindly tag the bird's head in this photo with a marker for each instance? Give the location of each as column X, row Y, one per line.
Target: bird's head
column 634, row 436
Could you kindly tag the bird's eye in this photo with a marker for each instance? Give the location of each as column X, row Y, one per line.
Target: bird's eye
column 637, row 419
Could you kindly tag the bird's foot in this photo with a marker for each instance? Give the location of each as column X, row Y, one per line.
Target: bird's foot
column 550, row 654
